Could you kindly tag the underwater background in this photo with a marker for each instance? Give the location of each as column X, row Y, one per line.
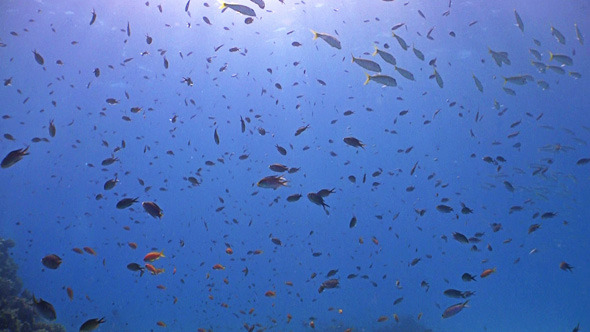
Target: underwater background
column 479, row 162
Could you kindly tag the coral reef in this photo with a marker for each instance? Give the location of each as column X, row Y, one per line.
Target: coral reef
column 16, row 312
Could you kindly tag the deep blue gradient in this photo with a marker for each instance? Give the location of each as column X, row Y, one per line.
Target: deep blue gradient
column 48, row 200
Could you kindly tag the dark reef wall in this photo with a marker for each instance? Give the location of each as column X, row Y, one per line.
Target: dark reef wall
column 16, row 312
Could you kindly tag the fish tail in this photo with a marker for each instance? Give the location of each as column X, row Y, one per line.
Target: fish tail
column 376, row 50
column 222, row 5
column 352, row 55
column 162, row 253
column 315, row 34
column 550, row 56
column 465, row 304
column 368, row 79
column 505, row 80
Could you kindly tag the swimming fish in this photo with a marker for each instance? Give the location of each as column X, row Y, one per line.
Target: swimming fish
column 558, row 35
column 153, row 209
column 44, row 309
column 13, row 157
column 519, row 23
column 385, row 56
column 354, row 142
column 367, row 64
column 91, row 324
column 126, row 202
column 272, row 181
column 454, row 309
column 244, row 10
column 51, row 261
column 331, row 40
column 381, row 79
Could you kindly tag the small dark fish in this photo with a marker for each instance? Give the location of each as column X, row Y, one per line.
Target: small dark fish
column 281, row 150
column 243, row 124
column 300, row 130
column 331, row 273
column 565, row 266
column 148, row 39
column 533, row 228
column 96, row 72
column 317, row 199
column 276, row 241
column 128, row 30
column 444, row 208
column 112, row 101
column 329, row 284
column 44, row 309
column 294, row 198
column 354, row 142
column 278, row 168
column 51, row 261
column 583, row 161
column 467, row 277
column 93, row 19
column 13, row 157
column 109, row 161
column 153, row 209
column 352, row 222
column 206, row 20
column 460, row 237
column 216, row 136
column 509, row 186
column 38, row 58
column 110, row 184
column 398, row 300
column 187, row 5
column 51, row 129
column 454, row 293
column 136, row 267
column 548, row 215
column 91, row 324
column 126, row 202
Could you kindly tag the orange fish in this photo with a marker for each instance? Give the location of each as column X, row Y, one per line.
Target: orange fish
column 153, row 270
column 289, row 283
column 161, row 287
column 374, row 239
column 70, row 293
column 251, row 311
column 487, row 272
column 312, row 324
column 229, row 251
column 289, row 317
column 218, row 267
column 152, row 256
column 160, row 323
column 382, row 319
column 270, row 293
column 361, row 241
column 90, row 251
column 396, row 317
column 258, row 252
column 175, row 300
column 132, row 245
column 225, row 281
column 126, row 228
column 174, row 271
column 78, row 251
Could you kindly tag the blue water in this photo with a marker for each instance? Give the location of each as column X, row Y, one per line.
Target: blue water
column 48, row 199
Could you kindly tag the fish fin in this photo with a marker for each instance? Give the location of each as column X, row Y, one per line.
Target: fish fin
column 376, row 50
column 315, row 34
column 368, row 79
